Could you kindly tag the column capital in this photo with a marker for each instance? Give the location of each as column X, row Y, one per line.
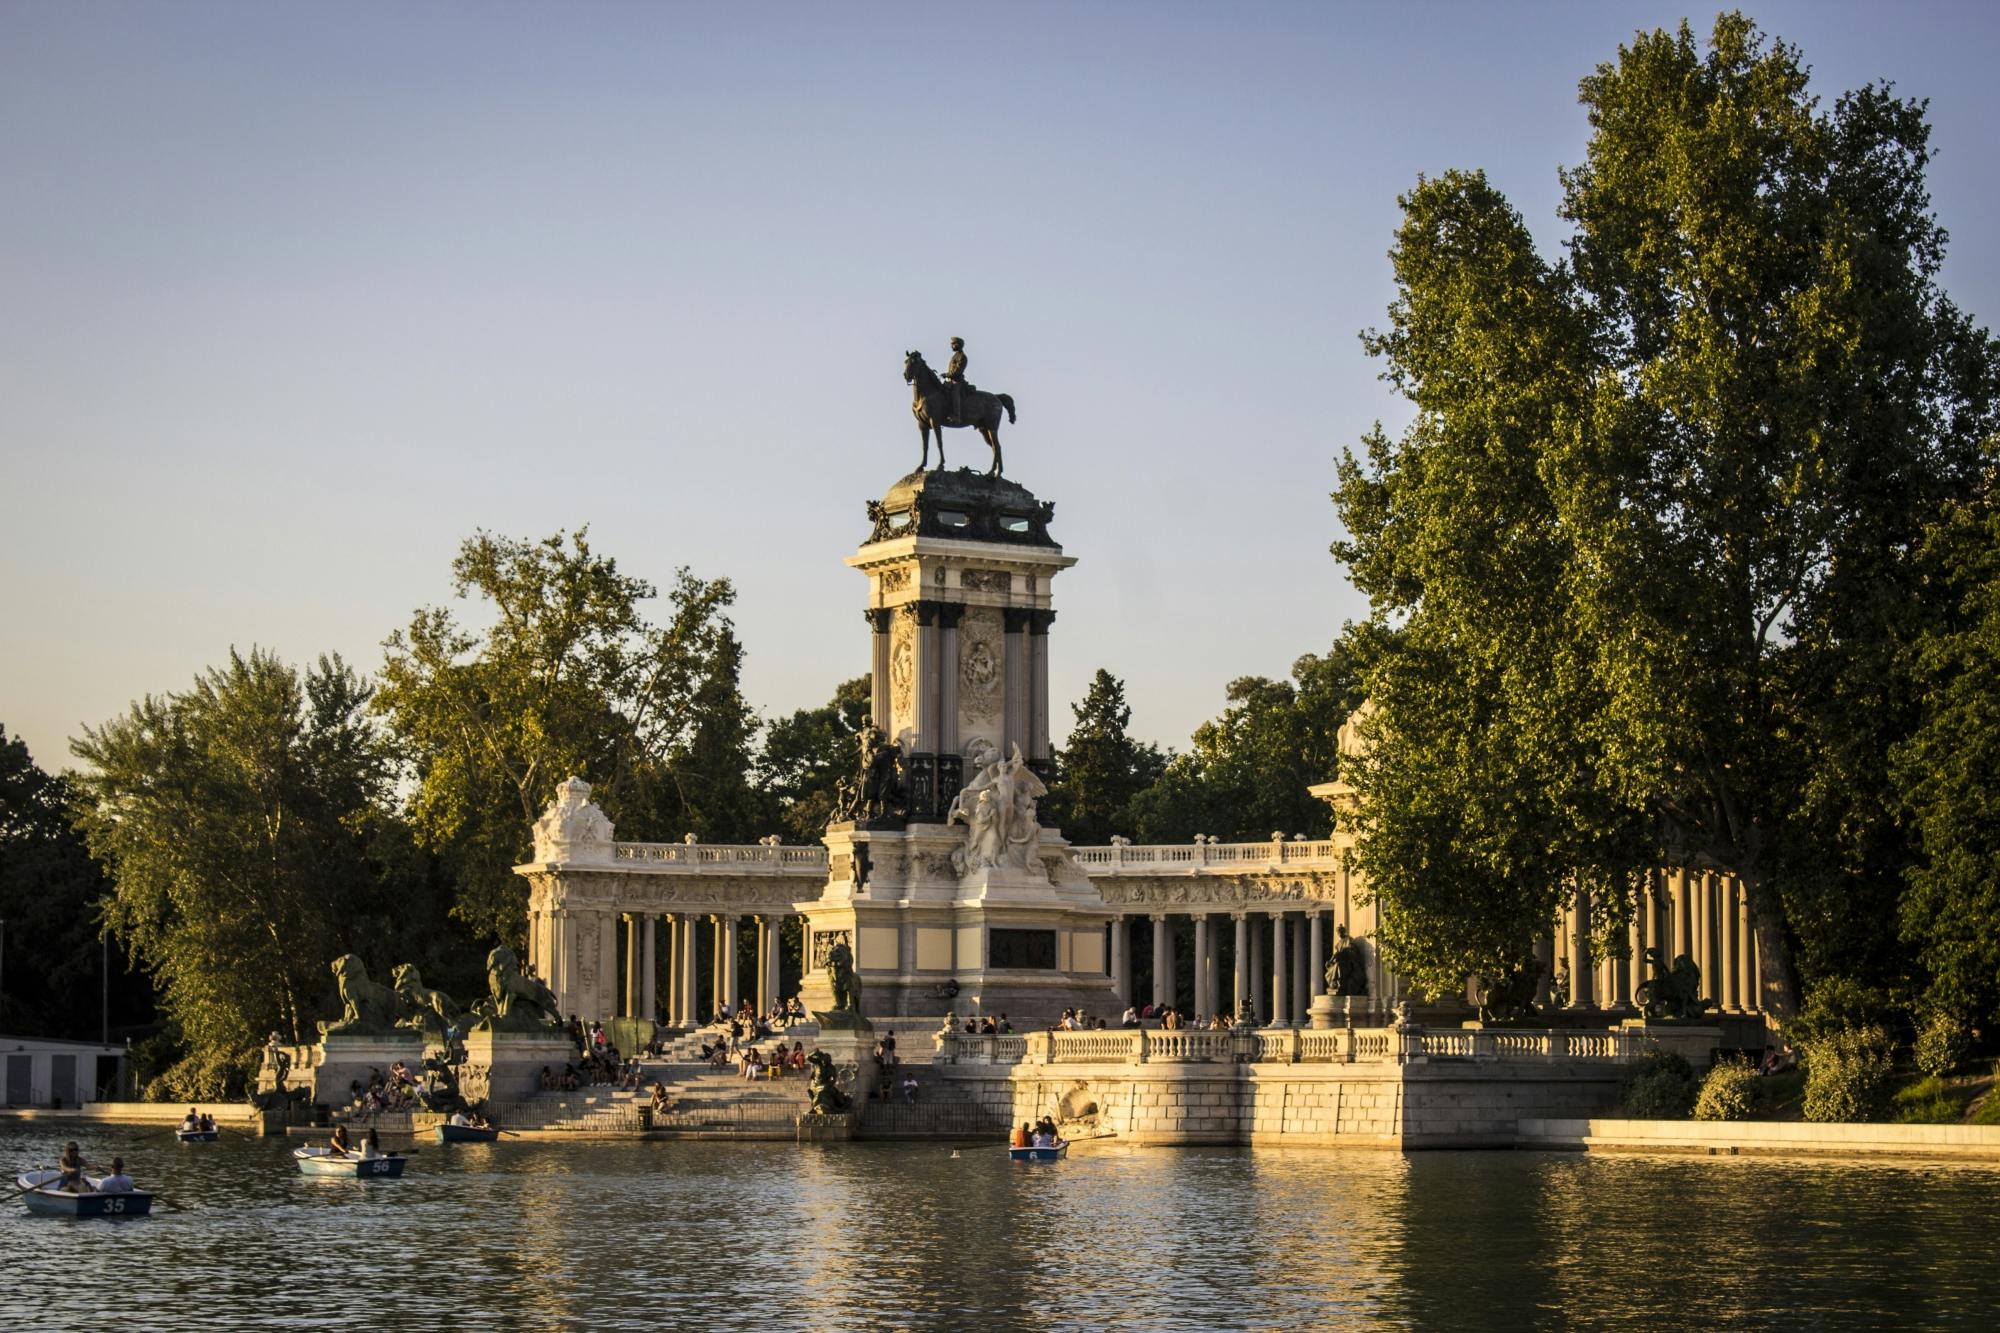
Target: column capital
column 1015, row 618
column 1039, row 620
column 878, row 618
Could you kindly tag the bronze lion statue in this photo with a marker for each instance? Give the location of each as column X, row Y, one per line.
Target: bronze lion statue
column 367, row 1008
column 515, row 1002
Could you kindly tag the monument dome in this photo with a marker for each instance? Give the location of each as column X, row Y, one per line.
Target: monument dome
column 965, row 504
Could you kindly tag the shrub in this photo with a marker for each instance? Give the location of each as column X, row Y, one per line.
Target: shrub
column 1847, row 1075
column 1660, row 1087
column 1728, row 1093
column 1834, row 1005
column 1942, row 1042
column 1928, row 1101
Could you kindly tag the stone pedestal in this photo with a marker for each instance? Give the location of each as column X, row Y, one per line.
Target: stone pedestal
column 507, row 1066
column 1324, row 1012
column 340, row 1061
column 1696, row 1042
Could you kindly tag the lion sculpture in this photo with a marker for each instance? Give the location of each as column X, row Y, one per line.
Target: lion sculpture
column 430, row 1012
column 515, row 1002
column 367, row 1008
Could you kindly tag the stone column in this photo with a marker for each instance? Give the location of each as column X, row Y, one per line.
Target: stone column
column 1256, row 971
column 1240, row 1001
column 1163, row 960
column 1203, row 1002
column 649, row 973
column 732, row 977
column 628, row 994
column 1635, row 942
column 674, row 1015
column 690, row 933
column 763, row 1000
column 1121, row 959
column 1746, row 951
column 1703, row 890
column 1015, row 694
column 925, row 646
column 878, row 683
column 1683, row 909
column 718, row 995
column 1038, row 688
column 947, row 726
column 1281, row 975
column 607, row 966
column 1301, row 973
column 1579, row 952
column 775, row 982
column 1316, row 956
column 561, row 976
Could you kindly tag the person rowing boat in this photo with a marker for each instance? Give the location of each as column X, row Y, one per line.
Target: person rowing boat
column 338, row 1146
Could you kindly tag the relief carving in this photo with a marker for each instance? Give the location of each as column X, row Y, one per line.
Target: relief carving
column 986, row 580
column 980, row 660
column 902, row 670
column 587, row 954
column 895, row 580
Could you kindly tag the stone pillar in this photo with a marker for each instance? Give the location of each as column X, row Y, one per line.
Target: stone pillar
column 732, row 978
column 649, row 973
column 1635, row 941
column 1579, row 952
column 925, row 646
column 1014, row 620
column 1301, row 974
column 1163, row 960
column 1703, row 890
column 675, row 1016
column 1683, row 910
column 561, row 976
column 947, row 729
column 718, row 995
column 1746, row 951
column 1038, row 688
column 690, row 937
column 878, row 675
column 774, row 962
column 1204, row 1002
column 1256, row 971
column 628, row 994
column 1316, row 955
column 1121, row 959
column 764, row 942
column 1281, row 975
column 607, row 966
column 1240, row 1001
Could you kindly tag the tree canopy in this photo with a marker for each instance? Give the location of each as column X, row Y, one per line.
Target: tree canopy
column 1101, row 769
column 1636, row 556
column 807, row 755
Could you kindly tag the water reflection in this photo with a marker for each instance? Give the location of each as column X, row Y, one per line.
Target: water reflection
column 907, row 1236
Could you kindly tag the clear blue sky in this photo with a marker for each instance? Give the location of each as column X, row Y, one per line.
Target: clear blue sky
column 293, row 298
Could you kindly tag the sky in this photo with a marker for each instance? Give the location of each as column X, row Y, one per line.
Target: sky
column 295, row 298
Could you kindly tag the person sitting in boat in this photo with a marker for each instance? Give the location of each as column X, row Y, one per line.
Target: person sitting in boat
column 70, row 1164
column 117, row 1182
column 207, row 1123
column 191, row 1121
column 459, row 1117
column 371, row 1147
column 1043, row 1139
column 1019, row 1138
column 338, row 1145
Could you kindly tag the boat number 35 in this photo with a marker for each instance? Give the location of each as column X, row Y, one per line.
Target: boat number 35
column 114, row 1205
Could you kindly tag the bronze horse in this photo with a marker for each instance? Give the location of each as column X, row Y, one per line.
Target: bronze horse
column 930, row 404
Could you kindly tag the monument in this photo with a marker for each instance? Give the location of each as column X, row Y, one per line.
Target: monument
column 944, row 887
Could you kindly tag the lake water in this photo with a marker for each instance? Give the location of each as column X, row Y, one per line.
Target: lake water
column 696, row 1235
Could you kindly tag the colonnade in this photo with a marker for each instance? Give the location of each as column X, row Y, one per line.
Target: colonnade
column 1701, row 914
column 1279, row 962
column 676, row 939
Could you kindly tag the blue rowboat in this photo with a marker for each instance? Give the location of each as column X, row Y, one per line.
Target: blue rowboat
column 1055, row 1154
column 196, row 1135
column 467, row 1133
column 324, row 1162
column 39, row 1193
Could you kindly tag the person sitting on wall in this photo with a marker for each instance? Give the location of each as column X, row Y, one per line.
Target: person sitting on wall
column 798, row 1055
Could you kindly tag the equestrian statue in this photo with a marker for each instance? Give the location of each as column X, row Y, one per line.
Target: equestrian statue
column 952, row 401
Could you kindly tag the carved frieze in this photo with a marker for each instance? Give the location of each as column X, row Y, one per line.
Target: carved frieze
column 1121, row 890
column 896, row 579
column 985, row 580
column 980, row 662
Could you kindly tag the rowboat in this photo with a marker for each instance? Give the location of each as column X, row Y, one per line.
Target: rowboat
column 467, row 1133
column 39, row 1193
column 1054, row 1154
column 196, row 1135
column 324, row 1162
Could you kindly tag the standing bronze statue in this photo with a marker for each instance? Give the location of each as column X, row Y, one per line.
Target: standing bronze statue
column 953, row 401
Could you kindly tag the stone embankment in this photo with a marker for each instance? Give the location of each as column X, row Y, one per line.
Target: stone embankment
column 1760, row 1138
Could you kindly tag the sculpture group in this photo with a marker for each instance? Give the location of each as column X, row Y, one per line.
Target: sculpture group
column 514, row 1002
column 998, row 809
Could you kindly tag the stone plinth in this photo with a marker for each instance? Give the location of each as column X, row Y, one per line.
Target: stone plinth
column 1325, row 1012
column 340, row 1061
column 1696, row 1042
column 507, row 1066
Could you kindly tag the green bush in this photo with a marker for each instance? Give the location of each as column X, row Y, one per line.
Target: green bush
column 1988, row 1112
column 1943, row 1042
column 1928, row 1101
column 1834, row 1005
column 1847, row 1075
column 1728, row 1093
column 1661, row 1086
column 212, row 1077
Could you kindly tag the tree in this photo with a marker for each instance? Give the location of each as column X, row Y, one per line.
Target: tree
column 570, row 679
column 1653, row 500
column 52, row 901
column 1101, row 768
column 1248, row 772
column 808, row 754
column 238, row 822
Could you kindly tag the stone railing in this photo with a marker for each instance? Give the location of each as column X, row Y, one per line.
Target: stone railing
column 726, row 856
column 1289, row 1046
column 1191, row 858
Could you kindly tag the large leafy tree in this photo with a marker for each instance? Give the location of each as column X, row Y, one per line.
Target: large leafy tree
column 1247, row 773
column 1101, row 768
column 807, row 755
column 241, row 824
column 52, row 897
column 569, row 677
column 1650, row 512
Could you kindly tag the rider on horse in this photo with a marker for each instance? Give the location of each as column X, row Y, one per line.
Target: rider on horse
column 954, row 376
